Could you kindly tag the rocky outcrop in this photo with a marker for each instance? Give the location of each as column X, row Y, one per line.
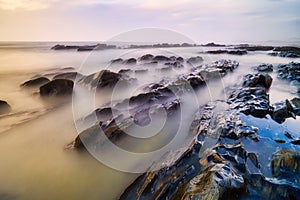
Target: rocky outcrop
column 36, row 82
column 255, row 48
column 83, row 47
column 226, row 169
column 289, row 52
column 286, row 109
column 57, row 87
column 4, row 107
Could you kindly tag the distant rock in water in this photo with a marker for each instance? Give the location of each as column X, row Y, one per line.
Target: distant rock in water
column 57, row 87
column 83, row 47
column 213, row 45
column 67, row 75
column 255, row 48
column 231, row 52
column 4, row 107
column 36, row 82
column 288, row 52
column 265, row 68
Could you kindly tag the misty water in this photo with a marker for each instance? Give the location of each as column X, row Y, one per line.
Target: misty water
column 34, row 161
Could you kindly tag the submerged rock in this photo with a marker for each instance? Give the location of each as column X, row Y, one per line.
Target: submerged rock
column 57, row 87
column 195, row 60
column 4, row 107
column 286, row 164
column 36, row 82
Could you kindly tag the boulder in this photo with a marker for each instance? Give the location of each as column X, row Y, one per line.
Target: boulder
column 258, row 80
column 57, row 87
column 130, row 61
column 289, row 71
column 36, row 82
column 146, row 57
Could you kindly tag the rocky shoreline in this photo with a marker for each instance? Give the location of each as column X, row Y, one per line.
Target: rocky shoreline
column 227, row 168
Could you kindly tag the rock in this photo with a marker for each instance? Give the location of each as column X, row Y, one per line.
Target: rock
column 289, row 71
column 57, row 87
column 101, row 80
column 4, row 107
column 146, row 57
column 258, row 80
column 37, row 82
column 161, row 58
column 255, row 48
column 130, row 61
column 265, row 68
column 195, row 60
column 288, row 52
column 282, row 110
column 213, row 45
column 232, row 52
column 68, row 75
column 286, row 164
column 117, row 61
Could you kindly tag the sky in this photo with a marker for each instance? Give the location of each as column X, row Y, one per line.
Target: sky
column 100, row 20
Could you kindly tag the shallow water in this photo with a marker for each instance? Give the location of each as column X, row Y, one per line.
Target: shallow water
column 33, row 137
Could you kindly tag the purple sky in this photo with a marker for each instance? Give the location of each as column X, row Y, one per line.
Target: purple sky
column 223, row 21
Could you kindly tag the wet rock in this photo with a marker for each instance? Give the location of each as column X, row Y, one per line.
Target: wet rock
column 37, row 82
column 175, row 64
column 67, row 75
column 218, row 69
column 288, row 52
column 286, row 164
column 161, row 58
column 258, row 80
column 102, row 79
column 117, row 61
column 4, row 107
column 58, row 87
column 289, row 71
column 146, row 57
column 265, row 68
column 195, row 60
column 281, row 111
column 130, row 61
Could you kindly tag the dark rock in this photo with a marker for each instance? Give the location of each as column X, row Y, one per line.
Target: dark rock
column 68, row 75
column 237, row 52
column 258, row 80
column 265, row 68
column 289, row 52
column 4, row 107
column 58, row 87
column 37, row 82
column 255, row 48
column 160, row 58
column 289, row 71
column 103, row 79
column 146, row 57
column 130, row 61
column 117, row 61
column 213, row 45
column 195, row 60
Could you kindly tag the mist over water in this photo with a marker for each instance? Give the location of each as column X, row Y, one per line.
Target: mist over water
column 33, row 137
